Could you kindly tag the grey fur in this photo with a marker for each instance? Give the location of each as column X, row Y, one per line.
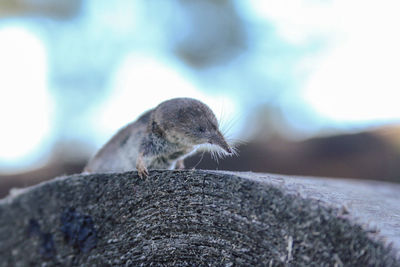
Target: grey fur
column 160, row 138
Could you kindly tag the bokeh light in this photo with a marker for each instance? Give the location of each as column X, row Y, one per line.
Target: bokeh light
column 25, row 108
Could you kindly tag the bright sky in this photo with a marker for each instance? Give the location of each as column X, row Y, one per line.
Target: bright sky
column 356, row 79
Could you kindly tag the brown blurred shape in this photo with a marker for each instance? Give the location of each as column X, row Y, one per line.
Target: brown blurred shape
column 52, row 169
column 366, row 155
column 48, row 8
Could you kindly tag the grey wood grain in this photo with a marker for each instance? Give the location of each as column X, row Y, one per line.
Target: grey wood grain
column 181, row 218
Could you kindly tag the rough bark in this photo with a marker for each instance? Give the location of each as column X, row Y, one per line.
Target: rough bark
column 180, row 218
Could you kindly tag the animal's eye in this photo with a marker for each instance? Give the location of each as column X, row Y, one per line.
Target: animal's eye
column 201, row 129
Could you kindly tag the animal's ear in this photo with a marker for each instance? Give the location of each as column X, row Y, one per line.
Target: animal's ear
column 156, row 129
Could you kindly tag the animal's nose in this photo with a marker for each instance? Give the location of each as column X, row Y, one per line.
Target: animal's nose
column 219, row 140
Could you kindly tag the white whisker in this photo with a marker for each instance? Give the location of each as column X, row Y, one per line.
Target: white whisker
column 201, row 158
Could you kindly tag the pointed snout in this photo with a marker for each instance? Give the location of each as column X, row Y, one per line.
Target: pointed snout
column 219, row 140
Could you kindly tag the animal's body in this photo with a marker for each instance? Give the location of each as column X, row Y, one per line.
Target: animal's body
column 160, row 139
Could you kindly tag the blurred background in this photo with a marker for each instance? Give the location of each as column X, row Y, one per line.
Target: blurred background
column 310, row 87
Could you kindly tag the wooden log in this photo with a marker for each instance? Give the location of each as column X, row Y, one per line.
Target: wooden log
column 181, row 218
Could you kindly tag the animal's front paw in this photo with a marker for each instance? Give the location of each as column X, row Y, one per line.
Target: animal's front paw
column 180, row 164
column 141, row 167
column 143, row 172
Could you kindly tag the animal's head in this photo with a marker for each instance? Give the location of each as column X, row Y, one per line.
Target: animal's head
column 189, row 121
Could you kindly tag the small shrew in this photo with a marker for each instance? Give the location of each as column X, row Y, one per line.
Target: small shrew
column 160, row 139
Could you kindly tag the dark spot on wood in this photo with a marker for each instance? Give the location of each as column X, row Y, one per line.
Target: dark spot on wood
column 33, row 228
column 78, row 230
column 47, row 248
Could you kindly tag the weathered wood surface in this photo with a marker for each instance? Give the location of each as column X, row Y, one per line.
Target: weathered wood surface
column 186, row 218
column 372, row 204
